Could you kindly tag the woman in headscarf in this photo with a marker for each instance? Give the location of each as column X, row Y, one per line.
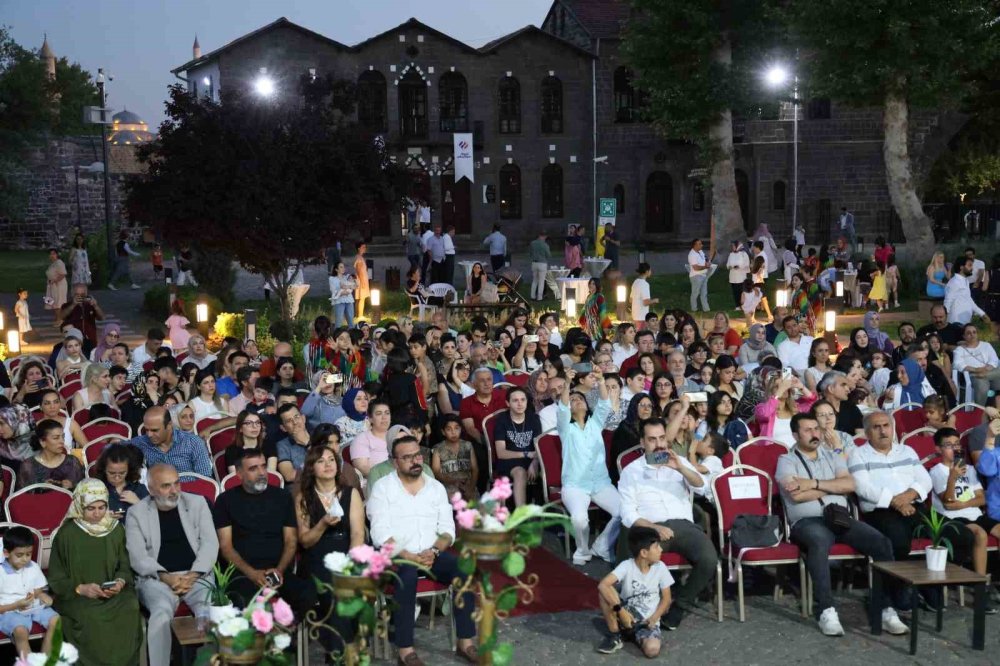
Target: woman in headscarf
column 88, row 551
column 755, row 346
column 594, row 319
column 355, row 418
column 145, row 394
column 109, row 338
column 910, row 387
column 861, row 347
column 322, row 405
column 16, row 427
column 538, row 389
column 877, row 340
column 640, row 407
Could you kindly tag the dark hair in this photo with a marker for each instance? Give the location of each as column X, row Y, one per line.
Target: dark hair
column 643, row 333
column 633, row 372
column 799, row 418
column 405, row 439
column 307, row 496
column 641, row 538
column 450, row 418
column 417, row 339
column 942, row 433
column 284, row 409
column 101, row 410
column 246, row 454
column 155, row 334
column 117, row 370
column 244, row 374
column 642, row 268
column 120, row 453
column 165, row 362
column 239, row 440
column 518, row 389
column 375, row 402
column 321, row 434
column 44, row 427
column 720, row 445
column 122, row 345
column 285, row 392
column 18, row 536
column 652, row 421
column 715, row 398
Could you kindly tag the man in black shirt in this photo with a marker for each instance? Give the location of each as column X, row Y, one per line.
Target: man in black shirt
column 907, row 336
column 949, row 332
column 258, row 533
column 834, row 389
column 172, row 545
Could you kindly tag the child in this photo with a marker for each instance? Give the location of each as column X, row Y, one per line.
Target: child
column 262, row 403
column 706, row 456
column 751, row 299
column 22, row 314
column 936, row 412
column 636, row 594
column 22, row 592
column 453, row 462
column 877, row 292
column 156, row 258
column 892, row 280
column 881, row 374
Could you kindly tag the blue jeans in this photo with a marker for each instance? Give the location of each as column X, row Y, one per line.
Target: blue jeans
column 343, row 312
column 444, row 570
column 122, row 270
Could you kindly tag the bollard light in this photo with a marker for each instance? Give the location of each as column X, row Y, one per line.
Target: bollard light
column 571, row 308
column 13, row 342
column 781, row 298
column 622, row 293
column 840, row 289
column 1, row 321
column 376, row 298
column 831, row 321
column 250, row 321
column 201, row 313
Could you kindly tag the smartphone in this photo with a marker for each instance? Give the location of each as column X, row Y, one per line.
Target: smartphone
column 107, row 585
column 583, row 368
column 496, row 344
column 334, row 379
column 786, row 373
column 658, row 457
column 41, row 383
column 959, row 461
column 697, row 396
column 272, row 579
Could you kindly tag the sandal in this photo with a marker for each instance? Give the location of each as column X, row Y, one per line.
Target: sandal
column 470, row 654
column 410, row 660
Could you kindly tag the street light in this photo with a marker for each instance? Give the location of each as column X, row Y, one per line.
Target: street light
column 622, row 295
column 264, row 84
column 104, row 153
column 250, row 321
column 777, row 76
column 781, row 298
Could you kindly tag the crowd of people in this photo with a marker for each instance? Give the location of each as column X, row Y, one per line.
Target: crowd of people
column 368, row 432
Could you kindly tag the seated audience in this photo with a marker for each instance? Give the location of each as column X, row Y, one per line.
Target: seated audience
column 250, row 435
column 51, row 463
column 24, row 598
column 454, row 462
column 291, row 449
column 163, row 443
column 120, row 468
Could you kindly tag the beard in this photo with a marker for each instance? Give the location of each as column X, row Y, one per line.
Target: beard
column 256, row 486
column 166, row 503
column 414, row 472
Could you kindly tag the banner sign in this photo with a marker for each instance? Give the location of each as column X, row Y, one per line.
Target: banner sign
column 463, row 157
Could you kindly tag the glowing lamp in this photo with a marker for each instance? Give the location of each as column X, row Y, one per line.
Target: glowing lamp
column 781, row 298
column 201, row 313
column 571, row 308
column 831, row 321
column 13, row 342
column 264, row 86
column 376, row 298
column 1, row 320
column 621, row 293
column 840, row 289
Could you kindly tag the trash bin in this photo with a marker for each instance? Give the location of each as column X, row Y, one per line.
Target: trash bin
column 392, row 279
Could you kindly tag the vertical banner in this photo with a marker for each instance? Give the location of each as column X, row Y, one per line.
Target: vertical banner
column 463, row 157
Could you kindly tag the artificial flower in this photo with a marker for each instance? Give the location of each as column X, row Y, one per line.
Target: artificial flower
column 219, row 614
column 233, row 626
column 283, row 613
column 36, row 659
column 282, row 641
column 466, row 518
column 361, row 554
column 388, row 548
column 68, row 654
column 337, row 562
column 262, row 620
column 491, row 524
column 502, row 489
column 378, row 564
column 502, row 513
column 457, row 503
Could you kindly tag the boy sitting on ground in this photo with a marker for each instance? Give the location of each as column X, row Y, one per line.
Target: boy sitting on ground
column 23, row 600
column 636, row 594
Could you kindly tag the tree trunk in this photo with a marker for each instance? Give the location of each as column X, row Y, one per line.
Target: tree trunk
column 725, row 199
column 918, row 227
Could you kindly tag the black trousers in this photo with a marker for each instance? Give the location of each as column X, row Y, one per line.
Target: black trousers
column 900, row 530
column 300, row 594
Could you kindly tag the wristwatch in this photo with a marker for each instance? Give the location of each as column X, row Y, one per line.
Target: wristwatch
column 435, row 550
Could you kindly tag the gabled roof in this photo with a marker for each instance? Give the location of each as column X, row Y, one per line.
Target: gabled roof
column 280, row 23
column 530, row 30
column 602, row 19
column 414, row 23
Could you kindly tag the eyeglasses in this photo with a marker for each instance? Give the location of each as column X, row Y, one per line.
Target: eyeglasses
column 112, row 335
column 252, row 424
column 407, row 459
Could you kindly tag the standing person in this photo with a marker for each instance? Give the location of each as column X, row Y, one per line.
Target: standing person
column 769, row 247
column 82, row 312
column 425, row 262
column 497, row 243
column 699, row 270
column 185, row 266
column 79, row 261
column 641, row 297
column 594, row 319
column 799, row 234
column 435, row 248
column 957, row 295
column 738, row 264
column 361, row 277
column 611, row 245
column 123, row 264
column 573, row 252
column 449, row 255
column 22, row 314
column 55, row 293
column 411, row 245
column 540, row 255
column 156, row 259
column 847, row 228
column 177, row 325
column 342, row 296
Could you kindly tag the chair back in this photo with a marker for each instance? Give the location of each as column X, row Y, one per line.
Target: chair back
column 967, row 416
column 609, row 461
column 628, row 456
column 548, row 448
column 740, row 489
column 206, row 422
column 196, row 484
column 9, row 477
column 40, row 505
column 221, row 439
column 444, row 291
column 922, row 443
column 230, row 481
column 300, row 397
column 219, row 466
column 36, row 539
column 908, row 417
column 38, row 415
column 517, row 378
column 68, row 389
column 489, row 428
column 761, row 453
column 72, row 376
column 106, row 426
column 13, row 364
column 181, row 357
column 95, row 447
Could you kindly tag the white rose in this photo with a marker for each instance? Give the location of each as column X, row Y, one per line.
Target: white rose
column 36, row 659
column 491, row 524
column 282, row 641
column 233, row 626
column 68, row 654
column 219, row 614
column 337, row 562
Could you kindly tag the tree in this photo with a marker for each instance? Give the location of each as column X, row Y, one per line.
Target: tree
column 698, row 62
column 270, row 182
column 919, row 53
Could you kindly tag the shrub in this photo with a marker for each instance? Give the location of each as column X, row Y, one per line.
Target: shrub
column 215, row 275
column 230, row 324
column 156, row 303
column 3, row 352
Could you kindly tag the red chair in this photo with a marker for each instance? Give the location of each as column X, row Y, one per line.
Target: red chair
column 93, row 450
column 181, row 357
column 489, row 427
column 36, row 631
column 82, row 416
column 608, row 435
column 922, row 443
column 40, row 505
column 908, row 417
column 9, row 478
column 206, row 422
column 219, row 466
column 104, row 427
column 197, row 484
column 754, row 500
column 67, row 390
column 13, row 364
column 967, row 416
column 230, row 481
column 762, row 453
column 548, row 448
column 36, row 413
column 220, row 440
column 300, row 396
column 518, row 377
column 628, row 456
column 147, row 366
column 71, row 376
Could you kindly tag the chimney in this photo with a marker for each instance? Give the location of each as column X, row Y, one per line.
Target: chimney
column 196, row 49
column 50, row 59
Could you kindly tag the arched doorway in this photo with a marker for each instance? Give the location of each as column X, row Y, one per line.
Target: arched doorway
column 743, row 194
column 659, row 203
column 456, row 201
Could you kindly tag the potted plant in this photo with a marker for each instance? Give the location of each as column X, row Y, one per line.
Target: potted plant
column 258, row 634
column 220, row 604
column 937, row 554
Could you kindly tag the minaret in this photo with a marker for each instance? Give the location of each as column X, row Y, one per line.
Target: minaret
column 50, row 59
column 196, row 49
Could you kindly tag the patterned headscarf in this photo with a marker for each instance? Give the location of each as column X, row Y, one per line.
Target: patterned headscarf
column 88, row 492
column 18, row 445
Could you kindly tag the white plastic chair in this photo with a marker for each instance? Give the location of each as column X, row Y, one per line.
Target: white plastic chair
column 444, row 291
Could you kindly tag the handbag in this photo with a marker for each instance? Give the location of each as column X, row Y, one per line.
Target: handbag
column 754, row 531
column 836, row 517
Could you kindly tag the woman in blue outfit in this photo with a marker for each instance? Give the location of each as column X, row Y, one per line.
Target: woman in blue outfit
column 937, row 276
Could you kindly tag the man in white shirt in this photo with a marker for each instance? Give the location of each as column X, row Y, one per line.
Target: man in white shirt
column 547, row 414
column 640, row 296
column 147, row 351
column 411, row 511
column 497, row 244
column 699, row 270
column 794, row 351
column 435, row 246
column 958, row 297
column 449, row 255
column 425, row 265
column 738, row 264
column 658, row 495
column 980, row 360
column 978, row 269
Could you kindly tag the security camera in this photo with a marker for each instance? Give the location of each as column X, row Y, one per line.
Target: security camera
column 602, row 159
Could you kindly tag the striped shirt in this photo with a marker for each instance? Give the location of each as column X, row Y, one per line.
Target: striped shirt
column 880, row 477
column 187, row 453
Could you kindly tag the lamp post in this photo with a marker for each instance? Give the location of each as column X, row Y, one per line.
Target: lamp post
column 250, row 321
column 622, row 295
column 776, row 77
column 107, row 178
column 201, row 315
column 571, row 308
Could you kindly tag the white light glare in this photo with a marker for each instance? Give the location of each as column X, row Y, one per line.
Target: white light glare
column 776, row 75
column 264, row 85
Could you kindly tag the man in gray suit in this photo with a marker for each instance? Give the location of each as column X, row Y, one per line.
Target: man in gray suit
column 172, row 544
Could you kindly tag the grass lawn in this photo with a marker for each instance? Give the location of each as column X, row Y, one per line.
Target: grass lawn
column 23, row 268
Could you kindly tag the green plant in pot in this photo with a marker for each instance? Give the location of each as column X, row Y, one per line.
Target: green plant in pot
column 934, row 525
column 218, row 584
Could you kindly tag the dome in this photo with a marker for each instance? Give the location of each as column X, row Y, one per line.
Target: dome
column 128, row 137
column 126, row 117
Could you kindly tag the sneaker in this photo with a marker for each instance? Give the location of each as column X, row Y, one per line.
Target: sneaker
column 891, row 624
column 135, row 286
column 672, row 619
column 829, row 623
column 603, row 553
column 112, row 287
column 581, row 557
column 611, row 644
column 990, row 608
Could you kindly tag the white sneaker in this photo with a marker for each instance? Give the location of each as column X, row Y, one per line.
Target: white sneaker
column 829, row 623
column 112, row 287
column 581, row 557
column 601, row 552
column 135, row 286
column 891, row 624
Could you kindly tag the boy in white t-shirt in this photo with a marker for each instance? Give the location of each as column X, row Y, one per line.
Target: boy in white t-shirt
column 958, row 495
column 23, row 600
column 636, row 595
column 640, row 296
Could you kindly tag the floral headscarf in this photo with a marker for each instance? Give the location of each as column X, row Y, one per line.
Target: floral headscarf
column 88, row 492
column 18, row 446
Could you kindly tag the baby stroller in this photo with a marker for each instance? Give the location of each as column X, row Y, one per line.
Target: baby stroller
column 507, row 280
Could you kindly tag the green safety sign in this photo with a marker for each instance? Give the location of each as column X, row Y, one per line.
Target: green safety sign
column 609, row 208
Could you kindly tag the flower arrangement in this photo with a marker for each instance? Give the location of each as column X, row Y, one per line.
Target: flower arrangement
column 364, row 561
column 62, row 653
column 261, row 632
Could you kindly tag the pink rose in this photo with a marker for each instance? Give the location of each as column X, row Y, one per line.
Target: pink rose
column 361, row 554
column 502, row 489
column 283, row 613
column 377, row 565
column 466, row 518
column 262, row 621
column 388, row 548
column 457, row 502
column 502, row 513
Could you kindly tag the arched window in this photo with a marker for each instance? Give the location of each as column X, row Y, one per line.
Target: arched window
column 659, row 203
column 509, row 107
column 510, row 192
column 453, row 103
column 552, row 106
column 412, row 106
column 620, row 198
column 698, row 196
column 626, row 101
column 372, row 112
column 552, row 191
column 778, row 195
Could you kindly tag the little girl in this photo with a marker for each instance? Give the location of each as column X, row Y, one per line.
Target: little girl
column 22, row 314
column 881, row 374
column 877, row 292
column 892, row 280
column 156, row 258
column 752, row 298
